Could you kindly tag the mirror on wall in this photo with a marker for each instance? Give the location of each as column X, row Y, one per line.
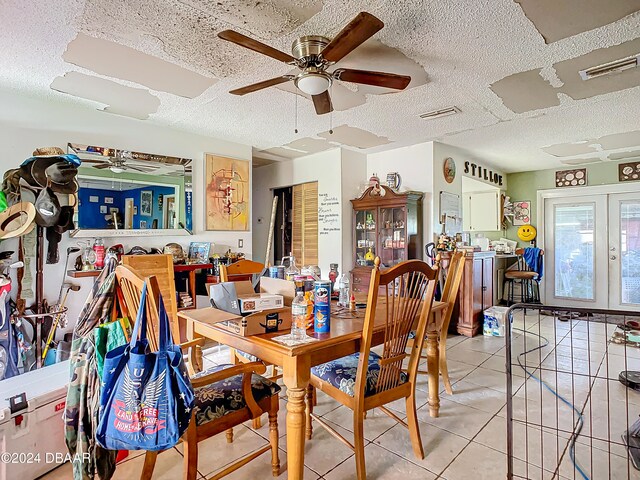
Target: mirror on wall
column 128, row 193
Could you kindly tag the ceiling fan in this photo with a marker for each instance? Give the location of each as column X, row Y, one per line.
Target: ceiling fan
column 118, row 164
column 314, row 54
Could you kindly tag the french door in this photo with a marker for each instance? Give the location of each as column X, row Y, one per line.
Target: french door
column 592, row 251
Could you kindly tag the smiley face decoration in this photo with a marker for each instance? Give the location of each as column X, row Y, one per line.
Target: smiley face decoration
column 527, row 233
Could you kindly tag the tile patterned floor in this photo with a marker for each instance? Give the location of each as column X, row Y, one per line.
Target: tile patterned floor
column 468, row 440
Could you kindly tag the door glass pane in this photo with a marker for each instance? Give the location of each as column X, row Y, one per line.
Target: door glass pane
column 630, row 251
column 392, row 236
column 365, row 237
column 574, row 248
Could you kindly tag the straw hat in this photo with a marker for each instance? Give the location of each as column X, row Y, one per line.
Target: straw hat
column 17, row 220
column 48, row 152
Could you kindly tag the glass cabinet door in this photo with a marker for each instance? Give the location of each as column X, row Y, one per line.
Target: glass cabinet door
column 366, row 250
column 392, row 236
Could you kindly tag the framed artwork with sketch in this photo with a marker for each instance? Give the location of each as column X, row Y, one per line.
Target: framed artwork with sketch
column 146, row 203
column 227, row 193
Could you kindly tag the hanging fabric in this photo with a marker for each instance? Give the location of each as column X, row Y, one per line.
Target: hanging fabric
column 83, row 395
column 147, row 397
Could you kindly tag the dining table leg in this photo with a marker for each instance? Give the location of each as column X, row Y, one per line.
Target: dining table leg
column 433, row 367
column 295, row 375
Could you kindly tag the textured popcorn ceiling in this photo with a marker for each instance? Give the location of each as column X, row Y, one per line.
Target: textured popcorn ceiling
column 458, row 49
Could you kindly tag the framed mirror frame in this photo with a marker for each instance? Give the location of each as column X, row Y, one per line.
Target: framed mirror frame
column 98, row 154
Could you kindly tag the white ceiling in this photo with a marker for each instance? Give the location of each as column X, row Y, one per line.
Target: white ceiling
column 464, row 46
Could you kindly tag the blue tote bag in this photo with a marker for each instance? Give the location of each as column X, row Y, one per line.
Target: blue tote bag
column 147, row 397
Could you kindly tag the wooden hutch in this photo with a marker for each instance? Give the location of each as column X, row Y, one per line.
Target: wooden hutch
column 385, row 224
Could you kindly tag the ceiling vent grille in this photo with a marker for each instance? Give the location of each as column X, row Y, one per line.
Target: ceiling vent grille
column 610, row 68
column 443, row 112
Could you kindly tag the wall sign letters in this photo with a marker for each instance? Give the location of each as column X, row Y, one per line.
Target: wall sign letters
column 483, row 173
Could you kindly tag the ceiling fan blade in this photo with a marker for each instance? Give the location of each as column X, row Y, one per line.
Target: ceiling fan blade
column 378, row 79
column 322, row 102
column 103, row 165
column 256, row 46
column 137, row 169
column 95, row 161
column 260, row 85
column 358, row 30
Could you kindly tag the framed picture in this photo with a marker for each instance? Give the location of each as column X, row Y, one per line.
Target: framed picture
column 160, row 201
column 103, row 209
column 571, row 178
column 143, row 224
column 94, row 199
column 522, row 213
column 199, row 252
column 628, row 171
column 227, row 193
column 108, row 200
column 146, row 203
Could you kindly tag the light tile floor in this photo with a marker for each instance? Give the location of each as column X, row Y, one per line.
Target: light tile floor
column 468, row 440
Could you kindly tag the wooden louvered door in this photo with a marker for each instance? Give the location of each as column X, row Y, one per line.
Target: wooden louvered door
column 305, row 223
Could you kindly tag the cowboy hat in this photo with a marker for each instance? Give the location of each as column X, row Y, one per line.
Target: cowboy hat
column 71, row 158
column 17, row 220
column 50, row 171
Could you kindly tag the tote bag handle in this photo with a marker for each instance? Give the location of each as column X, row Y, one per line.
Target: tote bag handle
column 141, row 319
column 141, row 323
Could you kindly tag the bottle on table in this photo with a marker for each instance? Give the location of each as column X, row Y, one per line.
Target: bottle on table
column 98, row 248
column 292, row 270
column 333, row 276
column 343, row 289
column 299, row 312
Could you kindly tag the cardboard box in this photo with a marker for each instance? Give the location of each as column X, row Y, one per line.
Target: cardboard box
column 278, row 286
column 259, row 302
column 256, row 323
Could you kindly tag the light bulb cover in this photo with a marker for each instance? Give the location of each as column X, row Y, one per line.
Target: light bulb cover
column 313, row 83
column 116, row 169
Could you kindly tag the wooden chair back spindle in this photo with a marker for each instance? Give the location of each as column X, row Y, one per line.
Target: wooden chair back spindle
column 408, row 292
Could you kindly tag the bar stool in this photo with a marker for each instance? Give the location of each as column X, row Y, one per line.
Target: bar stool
column 528, row 279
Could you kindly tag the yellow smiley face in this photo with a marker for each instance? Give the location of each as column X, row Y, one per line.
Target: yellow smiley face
column 526, row 233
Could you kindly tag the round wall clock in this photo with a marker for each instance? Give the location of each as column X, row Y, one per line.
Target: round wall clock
column 449, row 169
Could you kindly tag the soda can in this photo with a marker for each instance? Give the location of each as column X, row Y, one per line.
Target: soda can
column 322, row 318
column 277, row 271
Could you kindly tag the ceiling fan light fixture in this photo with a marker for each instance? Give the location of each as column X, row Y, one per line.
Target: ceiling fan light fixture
column 116, row 169
column 313, row 83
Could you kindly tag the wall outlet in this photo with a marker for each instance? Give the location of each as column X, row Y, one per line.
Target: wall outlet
column 240, row 243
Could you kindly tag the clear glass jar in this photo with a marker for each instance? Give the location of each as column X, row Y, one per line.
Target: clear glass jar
column 343, row 290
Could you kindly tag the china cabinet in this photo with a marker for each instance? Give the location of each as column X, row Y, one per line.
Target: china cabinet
column 388, row 225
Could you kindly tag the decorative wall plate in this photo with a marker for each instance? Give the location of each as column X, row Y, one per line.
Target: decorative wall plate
column 629, row 171
column 449, row 170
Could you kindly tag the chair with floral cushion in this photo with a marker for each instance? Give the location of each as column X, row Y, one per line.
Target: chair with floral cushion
column 399, row 300
column 226, row 395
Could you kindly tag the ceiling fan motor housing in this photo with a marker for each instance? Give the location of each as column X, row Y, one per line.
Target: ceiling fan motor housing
column 309, row 47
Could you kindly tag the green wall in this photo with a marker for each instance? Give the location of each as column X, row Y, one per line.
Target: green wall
column 525, row 186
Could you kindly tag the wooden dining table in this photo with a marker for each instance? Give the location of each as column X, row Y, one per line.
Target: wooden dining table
column 296, row 361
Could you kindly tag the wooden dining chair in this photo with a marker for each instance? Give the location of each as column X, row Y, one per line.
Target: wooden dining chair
column 455, row 269
column 237, row 273
column 160, row 266
column 226, row 395
column 402, row 296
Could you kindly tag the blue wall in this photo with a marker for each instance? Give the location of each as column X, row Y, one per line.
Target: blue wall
column 89, row 215
column 156, row 212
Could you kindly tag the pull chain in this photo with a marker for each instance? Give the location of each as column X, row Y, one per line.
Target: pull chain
column 331, row 112
column 296, row 115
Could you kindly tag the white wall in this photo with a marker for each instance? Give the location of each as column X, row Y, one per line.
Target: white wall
column 323, row 167
column 415, row 166
column 26, row 124
column 354, row 174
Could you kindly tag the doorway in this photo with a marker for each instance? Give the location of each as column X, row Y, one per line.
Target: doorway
column 169, row 213
column 592, row 250
column 128, row 213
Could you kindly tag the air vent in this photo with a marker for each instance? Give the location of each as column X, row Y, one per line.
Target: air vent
column 610, row 68
column 440, row 113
